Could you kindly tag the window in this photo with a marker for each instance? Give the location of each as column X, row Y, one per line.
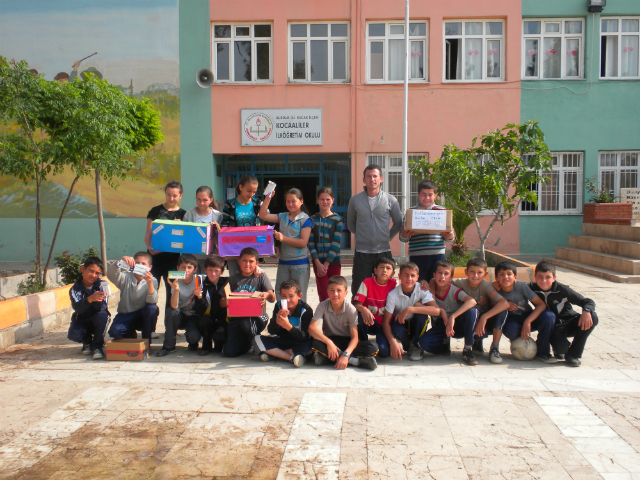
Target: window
column 385, row 52
column 319, row 52
column 618, row 170
column 619, row 47
column 242, row 53
column 552, row 48
column 563, row 191
column 474, row 50
column 392, row 173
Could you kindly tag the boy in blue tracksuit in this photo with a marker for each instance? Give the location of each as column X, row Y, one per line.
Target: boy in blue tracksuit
column 90, row 314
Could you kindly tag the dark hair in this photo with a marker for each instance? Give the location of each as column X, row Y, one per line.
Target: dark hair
column 252, row 252
column 506, row 266
column 409, row 266
column 298, row 193
column 427, row 185
column 446, row 264
column 545, row 266
column 337, row 280
column 327, row 190
column 209, row 192
column 372, row 166
column 146, row 255
column 244, row 180
column 385, row 261
column 188, row 259
column 174, row 184
column 291, row 283
column 477, row 262
column 93, row 261
column 214, row 261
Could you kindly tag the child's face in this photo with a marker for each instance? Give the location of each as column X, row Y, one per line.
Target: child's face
column 213, row 274
column 545, row 280
column 172, row 196
column 325, row 201
column 188, row 269
column 291, row 296
column 383, row 273
column 337, row 294
column 442, row 276
column 408, row 278
column 293, row 203
column 248, row 264
column 475, row 275
column 248, row 190
column 506, row 278
column 142, row 261
column 203, row 200
column 426, row 197
column 90, row 274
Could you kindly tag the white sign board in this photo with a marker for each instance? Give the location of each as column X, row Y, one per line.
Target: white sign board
column 632, row 196
column 429, row 220
column 280, row 127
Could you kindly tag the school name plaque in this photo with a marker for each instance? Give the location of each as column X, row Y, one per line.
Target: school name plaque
column 281, row 127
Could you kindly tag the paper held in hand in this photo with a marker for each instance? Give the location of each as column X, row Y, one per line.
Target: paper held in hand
column 270, row 188
column 181, row 274
column 429, row 221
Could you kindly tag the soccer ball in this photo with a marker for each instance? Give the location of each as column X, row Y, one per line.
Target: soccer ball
column 524, row 349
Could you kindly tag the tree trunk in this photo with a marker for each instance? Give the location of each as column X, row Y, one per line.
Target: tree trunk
column 103, row 238
column 55, row 234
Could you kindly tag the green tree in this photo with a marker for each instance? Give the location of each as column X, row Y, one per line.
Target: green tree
column 495, row 174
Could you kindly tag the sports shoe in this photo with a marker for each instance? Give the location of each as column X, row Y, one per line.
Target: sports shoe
column 86, row 349
column 299, row 361
column 469, row 357
column 546, row 358
column 97, row 354
column 477, row 347
column 265, row 357
column 320, row 359
column 494, row 355
column 415, row 353
column 559, row 356
column 192, row 347
column 368, row 362
column 202, row 353
column 572, row 361
column 163, row 352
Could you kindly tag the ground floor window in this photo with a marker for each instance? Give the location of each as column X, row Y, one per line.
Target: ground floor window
column 618, row 170
column 391, row 164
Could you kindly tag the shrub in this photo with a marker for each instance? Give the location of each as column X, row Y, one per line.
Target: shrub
column 70, row 264
column 32, row 284
column 600, row 195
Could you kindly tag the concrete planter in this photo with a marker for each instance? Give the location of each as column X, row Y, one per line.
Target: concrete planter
column 607, row 213
column 525, row 271
column 9, row 285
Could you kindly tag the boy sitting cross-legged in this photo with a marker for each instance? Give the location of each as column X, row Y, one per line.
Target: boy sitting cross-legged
column 371, row 300
column 407, row 313
column 522, row 319
column 212, row 323
column 242, row 330
column 457, row 316
column 334, row 329
column 289, row 327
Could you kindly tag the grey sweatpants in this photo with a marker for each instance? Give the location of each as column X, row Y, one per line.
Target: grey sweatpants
column 300, row 273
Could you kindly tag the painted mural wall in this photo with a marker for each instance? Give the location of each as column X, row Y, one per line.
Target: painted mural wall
column 132, row 44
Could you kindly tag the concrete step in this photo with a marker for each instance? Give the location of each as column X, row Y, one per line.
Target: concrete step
column 626, row 265
column 595, row 271
column 623, row 248
column 617, row 232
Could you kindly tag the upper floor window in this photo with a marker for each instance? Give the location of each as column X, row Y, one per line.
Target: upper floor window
column 242, row 53
column 319, row 52
column 474, row 50
column 386, row 52
column 552, row 48
column 619, row 38
column 619, row 170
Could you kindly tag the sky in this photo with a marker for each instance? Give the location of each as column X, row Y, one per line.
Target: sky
column 135, row 39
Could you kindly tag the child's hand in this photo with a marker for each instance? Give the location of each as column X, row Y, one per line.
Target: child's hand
column 367, row 317
column 263, row 298
column 407, row 233
column 278, row 236
column 129, row 261
column 198, row 293
column 332, row 351
column 174, row 284
column 585, row 322
column 396, row 350
column 480, row 326
column 424, row 285
column 526, row 330
column 321, row 270
column 214, row 225
column 342, row 363
column 448, row 235
column 450, row 324
column 96, row 297
column 513, row 307
column 258, row 271
column 403, row 315
column 496, row 286
column 282, row 319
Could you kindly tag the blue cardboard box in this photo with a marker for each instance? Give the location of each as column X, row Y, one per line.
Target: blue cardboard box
column 181, row 237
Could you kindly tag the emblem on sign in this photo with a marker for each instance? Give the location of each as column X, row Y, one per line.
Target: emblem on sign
column 258, row 127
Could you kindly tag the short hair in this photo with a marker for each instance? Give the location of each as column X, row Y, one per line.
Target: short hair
column 214, row 261
column 477, row 262
column 252, row 252
column 372, row 166
column 386, row 261
column 291, row 283
column 409, row 266
column 93, row 261
column 146, row 255
column 545, row 266
column 505, row 266
column 174, row 184
column 446, row 264
column 188, row 259
column 427, row 185
column 337, row 280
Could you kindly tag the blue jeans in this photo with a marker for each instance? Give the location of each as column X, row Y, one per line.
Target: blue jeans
column 365, row 330
column 407, row 333
column 89, row 330
column 125, row 324
column 543, row 325
column 434, row 339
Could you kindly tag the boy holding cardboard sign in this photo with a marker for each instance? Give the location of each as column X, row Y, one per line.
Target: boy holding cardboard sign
column 426, row 249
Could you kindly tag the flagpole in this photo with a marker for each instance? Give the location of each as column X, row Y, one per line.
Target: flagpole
column 405, row 165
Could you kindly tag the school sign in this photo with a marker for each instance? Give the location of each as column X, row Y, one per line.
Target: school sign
column 281, row 127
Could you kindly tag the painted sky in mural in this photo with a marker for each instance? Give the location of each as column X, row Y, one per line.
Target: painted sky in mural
column 137, row 48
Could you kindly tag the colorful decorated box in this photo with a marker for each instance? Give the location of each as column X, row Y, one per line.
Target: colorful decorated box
column 181, row 237
column 231, row 240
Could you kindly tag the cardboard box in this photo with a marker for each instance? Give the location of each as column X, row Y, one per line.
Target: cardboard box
column 181, row 237
column 244, row 304
column 231, row 240
column 127, row 349
column 422, row 220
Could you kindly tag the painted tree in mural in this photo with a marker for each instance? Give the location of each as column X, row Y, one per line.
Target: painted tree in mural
column 495, row 176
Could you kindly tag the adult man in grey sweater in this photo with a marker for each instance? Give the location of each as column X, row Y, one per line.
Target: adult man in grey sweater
column 368, row 218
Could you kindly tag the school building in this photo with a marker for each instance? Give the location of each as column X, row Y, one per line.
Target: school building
column 306, row 94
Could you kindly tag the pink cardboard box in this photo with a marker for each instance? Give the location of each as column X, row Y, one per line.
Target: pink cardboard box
column 231, row 240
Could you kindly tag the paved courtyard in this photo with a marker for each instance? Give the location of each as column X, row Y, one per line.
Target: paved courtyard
column 65, row 416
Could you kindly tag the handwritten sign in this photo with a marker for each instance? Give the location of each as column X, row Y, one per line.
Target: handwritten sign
column 632, row 196
column 435, row 220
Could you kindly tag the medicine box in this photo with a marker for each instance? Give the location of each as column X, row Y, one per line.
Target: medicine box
column 231, row 240
column 127, row 349
column 422, row 220
column 181, row 237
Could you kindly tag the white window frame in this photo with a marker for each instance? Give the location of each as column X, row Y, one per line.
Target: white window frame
column 388, row 36
column 563, row 48
column 484, row 38
column 618, row 168
column 392, row 163
column 230, row 40
column 331, row 39
column 560, row 171
column 619, row 34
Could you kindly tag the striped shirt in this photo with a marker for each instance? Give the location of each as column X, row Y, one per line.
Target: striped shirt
column 326, row 235
column 425, row 243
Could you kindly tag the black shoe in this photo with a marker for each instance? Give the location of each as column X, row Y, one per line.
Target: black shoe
column 97, row 354
column 572, row 361
column 469, row 357
column 477, row 347
column 163, row 352
column 86, row 349
column 546, row 358
column 559, row 356
column 202, row 353
column 192, row 347
column 446, row 347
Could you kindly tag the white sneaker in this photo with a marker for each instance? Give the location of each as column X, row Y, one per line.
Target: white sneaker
column 415, row 353
column 265, row 357
column 299, row 360
column 155, row 335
